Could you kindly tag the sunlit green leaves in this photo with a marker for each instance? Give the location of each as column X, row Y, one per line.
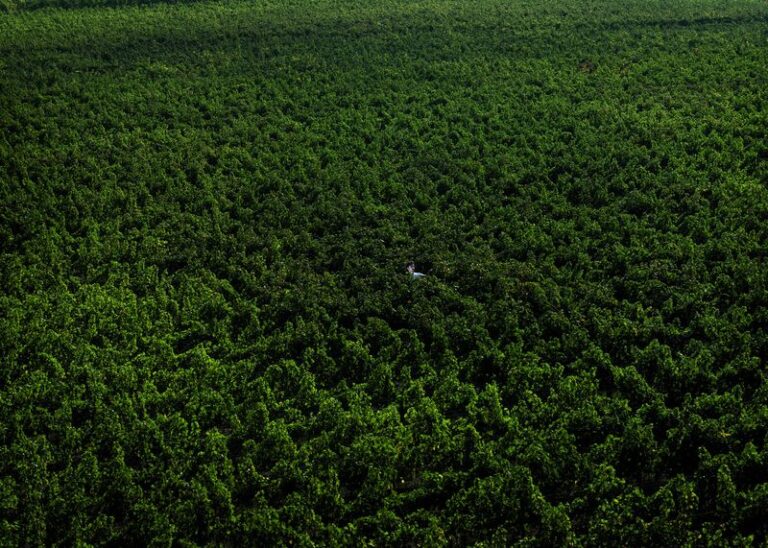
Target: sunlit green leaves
column 207, row 335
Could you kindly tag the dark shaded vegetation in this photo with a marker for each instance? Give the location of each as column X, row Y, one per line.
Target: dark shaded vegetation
column 207, row 335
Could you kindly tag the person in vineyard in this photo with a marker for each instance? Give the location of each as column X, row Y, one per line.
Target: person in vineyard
column 411, row 269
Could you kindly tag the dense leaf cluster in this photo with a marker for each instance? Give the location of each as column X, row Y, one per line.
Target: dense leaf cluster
column 206, row 332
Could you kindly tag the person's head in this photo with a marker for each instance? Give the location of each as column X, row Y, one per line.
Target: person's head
column 410, row 267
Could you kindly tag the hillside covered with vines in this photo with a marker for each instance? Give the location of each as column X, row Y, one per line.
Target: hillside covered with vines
column 207, row 333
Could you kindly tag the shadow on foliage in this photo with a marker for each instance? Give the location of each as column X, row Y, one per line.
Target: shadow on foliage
column 34, row 5
column 343, row 44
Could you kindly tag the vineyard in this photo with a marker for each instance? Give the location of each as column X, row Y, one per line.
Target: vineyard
column 208, row 335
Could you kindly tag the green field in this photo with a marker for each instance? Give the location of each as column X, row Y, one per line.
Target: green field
column 207, row 333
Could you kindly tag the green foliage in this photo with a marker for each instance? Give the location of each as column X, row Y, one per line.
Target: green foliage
column 207, row 336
